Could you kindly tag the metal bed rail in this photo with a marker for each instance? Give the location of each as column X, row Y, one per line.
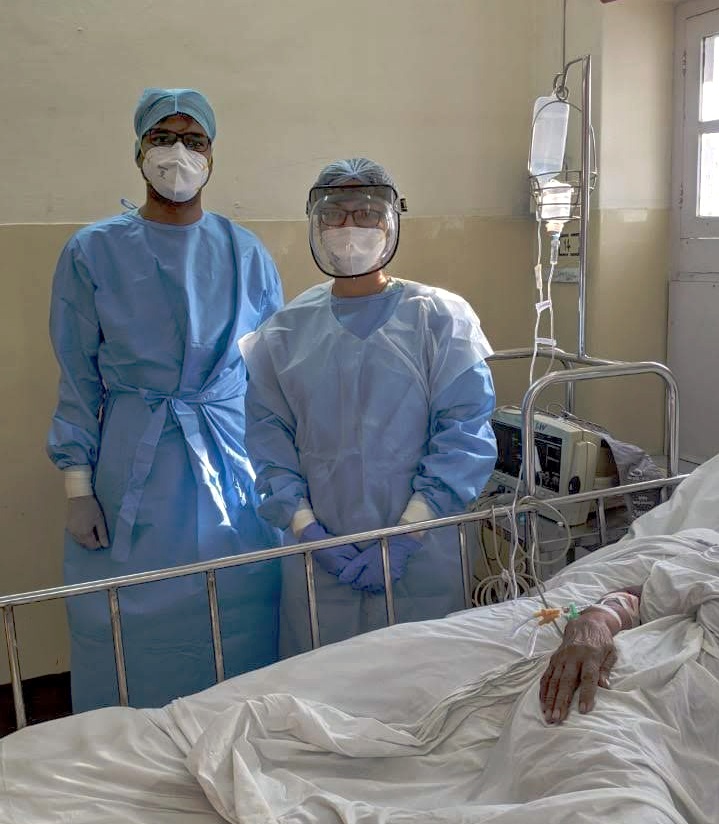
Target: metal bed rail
column 597, row 371
column 568, row 360
column 8, row 603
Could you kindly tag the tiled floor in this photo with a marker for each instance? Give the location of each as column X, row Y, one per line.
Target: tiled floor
column 684, row 466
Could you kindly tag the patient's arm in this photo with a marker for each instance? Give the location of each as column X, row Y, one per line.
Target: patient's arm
column 586, row 655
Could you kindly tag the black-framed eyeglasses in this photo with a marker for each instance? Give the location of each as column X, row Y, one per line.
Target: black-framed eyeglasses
column 194, row 141
column 365, row 218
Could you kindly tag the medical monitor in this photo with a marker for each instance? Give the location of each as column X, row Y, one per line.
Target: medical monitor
column 565, row 457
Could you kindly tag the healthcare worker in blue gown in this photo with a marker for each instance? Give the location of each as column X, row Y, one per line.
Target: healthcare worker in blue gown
column 147, row 309
column 369, row 405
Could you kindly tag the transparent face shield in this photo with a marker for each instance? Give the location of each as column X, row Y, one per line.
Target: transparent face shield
column 354, row 230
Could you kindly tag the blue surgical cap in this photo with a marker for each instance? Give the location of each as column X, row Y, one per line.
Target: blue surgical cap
column 355, row 170
column 157, row 104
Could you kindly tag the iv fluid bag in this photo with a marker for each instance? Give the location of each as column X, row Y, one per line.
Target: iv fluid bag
column 555, row 204
column 549, row 137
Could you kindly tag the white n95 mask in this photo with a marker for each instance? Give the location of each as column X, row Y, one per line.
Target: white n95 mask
column 355, row 251
column 175, row 172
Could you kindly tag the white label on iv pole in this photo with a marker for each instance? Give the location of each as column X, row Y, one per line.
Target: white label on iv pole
column 546, row 341
column 545, row 304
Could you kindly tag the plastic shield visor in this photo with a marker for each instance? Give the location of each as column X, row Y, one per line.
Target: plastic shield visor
column 353, row 230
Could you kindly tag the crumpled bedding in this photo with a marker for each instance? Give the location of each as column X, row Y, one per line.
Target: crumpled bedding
column 648, row 753
column 435, row 721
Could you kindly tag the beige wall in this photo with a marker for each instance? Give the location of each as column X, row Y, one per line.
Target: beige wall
column 439, row 92
column 636, row 105
column 433, row 89
column 631, row 45
column 481, row 258
column 31, row 515
column 630, row 249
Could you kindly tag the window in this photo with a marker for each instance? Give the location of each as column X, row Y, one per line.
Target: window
column 697, row 136
column 708, row 173
column 693, row 330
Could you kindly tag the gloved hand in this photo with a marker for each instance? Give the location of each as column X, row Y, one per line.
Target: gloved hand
column 365, row 571
column 334, row 559
column 86, row 523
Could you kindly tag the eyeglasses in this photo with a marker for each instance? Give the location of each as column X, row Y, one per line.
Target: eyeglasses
column 332, row 195
column 364, row 218
column 193, row 141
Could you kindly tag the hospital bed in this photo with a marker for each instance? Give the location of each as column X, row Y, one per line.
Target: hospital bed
column 433, row 721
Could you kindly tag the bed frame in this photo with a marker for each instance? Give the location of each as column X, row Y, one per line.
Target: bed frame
column 111, row 586
column 576, row 368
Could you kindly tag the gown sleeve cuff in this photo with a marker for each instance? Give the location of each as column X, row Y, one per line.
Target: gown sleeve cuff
column 302, row 518
column 78, row 481
column 416, row 510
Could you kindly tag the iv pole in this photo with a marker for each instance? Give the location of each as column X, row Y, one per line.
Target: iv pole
column 581, row 365
column 585, row 183
column 585, row 188
column 560, row 87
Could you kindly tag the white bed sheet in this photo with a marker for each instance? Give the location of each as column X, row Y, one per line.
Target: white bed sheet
column 110, row 765
column 430, row 722
column 135, row 766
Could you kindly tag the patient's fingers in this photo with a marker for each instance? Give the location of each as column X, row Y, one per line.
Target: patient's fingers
column 582, row 662
column 550, row 679
column 565, row 691
column 588, row 686
column 544, row 683
column 550, row 684
column 560, row 688
column 606, row 668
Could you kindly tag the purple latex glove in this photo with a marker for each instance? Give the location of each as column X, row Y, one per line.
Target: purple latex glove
column 365, row 571
column 332, row 560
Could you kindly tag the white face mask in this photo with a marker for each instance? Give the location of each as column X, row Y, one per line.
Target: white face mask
column 175, row 172
column 355, row 250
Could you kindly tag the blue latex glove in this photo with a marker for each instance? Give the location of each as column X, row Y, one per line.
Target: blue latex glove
column 332, row 560
column 365, row 571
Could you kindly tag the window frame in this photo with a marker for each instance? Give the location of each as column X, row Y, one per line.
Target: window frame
column 696, row 238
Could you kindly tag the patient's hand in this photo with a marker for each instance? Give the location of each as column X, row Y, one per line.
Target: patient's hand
column 582, row 662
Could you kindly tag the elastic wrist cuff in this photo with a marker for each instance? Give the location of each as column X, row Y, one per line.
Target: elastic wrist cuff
column 416, row 510
column 302, row 518
column 78, row 481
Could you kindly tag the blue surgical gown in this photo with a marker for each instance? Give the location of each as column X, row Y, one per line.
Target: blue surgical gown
column 356, row 410
column 145, row 320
